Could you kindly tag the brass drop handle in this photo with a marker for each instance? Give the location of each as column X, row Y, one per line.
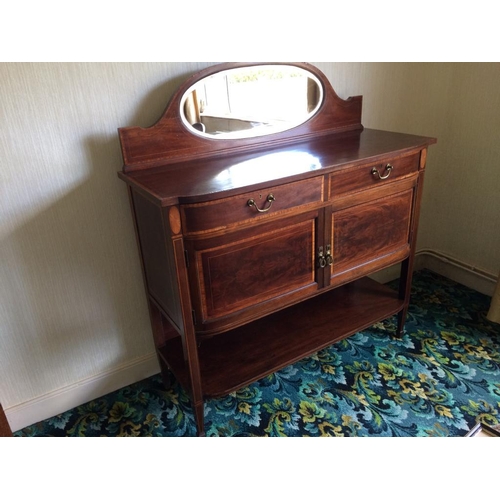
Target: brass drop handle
column 321, row 258
column 325, row 259
column 270, row 198
column 329, row 257
column 388, row 169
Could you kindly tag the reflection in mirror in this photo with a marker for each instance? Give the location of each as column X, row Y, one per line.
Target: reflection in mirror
column 251, row 101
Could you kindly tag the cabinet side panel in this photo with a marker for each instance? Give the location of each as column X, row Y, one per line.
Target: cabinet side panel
column 157, row 253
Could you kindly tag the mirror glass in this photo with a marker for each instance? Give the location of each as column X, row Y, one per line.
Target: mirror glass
column 251, row 101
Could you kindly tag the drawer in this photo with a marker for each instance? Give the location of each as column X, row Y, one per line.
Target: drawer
column 267, row 203
column 371, row 175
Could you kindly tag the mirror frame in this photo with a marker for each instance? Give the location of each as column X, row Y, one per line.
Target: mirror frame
column 252, row 132
column 169, row 141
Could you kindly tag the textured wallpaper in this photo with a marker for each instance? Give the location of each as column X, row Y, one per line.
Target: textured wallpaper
column 71, row 296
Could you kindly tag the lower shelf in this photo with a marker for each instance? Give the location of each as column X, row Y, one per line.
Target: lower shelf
column 243, row 355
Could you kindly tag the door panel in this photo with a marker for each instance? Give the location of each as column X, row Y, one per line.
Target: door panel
column 255, row 270
column 371, row 231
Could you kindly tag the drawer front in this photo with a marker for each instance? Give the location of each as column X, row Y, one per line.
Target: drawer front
column 235, row 210
column 371, row 175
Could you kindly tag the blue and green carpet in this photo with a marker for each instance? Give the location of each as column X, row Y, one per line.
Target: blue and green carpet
column 440, row 379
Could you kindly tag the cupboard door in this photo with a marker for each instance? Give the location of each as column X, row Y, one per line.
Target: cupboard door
column 250, row 272
column 370, row 236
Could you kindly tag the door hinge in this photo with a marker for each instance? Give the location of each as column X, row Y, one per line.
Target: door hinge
column 193, row 312
column 186, row 257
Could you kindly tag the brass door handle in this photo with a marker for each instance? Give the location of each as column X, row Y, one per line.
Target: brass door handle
column 329, row 257
column 270, row 198
column 325, row 259
column 388, row 169
column 321, row 261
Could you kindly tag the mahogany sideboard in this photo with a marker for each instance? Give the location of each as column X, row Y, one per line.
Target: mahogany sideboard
column 255, row 249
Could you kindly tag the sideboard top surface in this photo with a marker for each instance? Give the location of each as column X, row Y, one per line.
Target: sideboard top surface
column 207, row 179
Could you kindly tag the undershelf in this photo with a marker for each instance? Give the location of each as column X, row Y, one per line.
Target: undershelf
column 236, row 358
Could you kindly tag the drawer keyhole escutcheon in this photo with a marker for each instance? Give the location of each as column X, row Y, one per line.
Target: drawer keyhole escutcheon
column 388, row 169
column 270, row 198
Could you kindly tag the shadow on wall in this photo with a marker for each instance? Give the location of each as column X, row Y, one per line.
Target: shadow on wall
column 73, row 292
column 75, row 298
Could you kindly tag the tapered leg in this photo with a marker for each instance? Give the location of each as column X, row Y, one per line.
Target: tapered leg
column 166, row 374
column 188, row 335
column 404, row 293
column 407, row 265
column 199, row 408
column 401, row 322
column 5, row 430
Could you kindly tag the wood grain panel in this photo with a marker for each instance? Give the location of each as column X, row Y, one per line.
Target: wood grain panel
column 239, row 357
column 350, row 180
column 247, row 272
column 156, row 248
column 146, row 147
column 368, row 231
column 228, row 211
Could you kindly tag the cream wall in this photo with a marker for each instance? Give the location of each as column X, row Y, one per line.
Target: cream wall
column 73, row 314
column 74, row 322
column 462, row 203
column 459, row 103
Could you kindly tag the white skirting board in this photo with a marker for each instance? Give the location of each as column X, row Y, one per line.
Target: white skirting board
column 470, row 276
column 69, row 397
column 446, row 266
column 82, row 392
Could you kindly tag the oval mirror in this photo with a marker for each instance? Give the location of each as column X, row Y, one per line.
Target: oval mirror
column 251, row 101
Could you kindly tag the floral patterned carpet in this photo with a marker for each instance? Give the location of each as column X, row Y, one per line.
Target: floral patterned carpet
column 440, row 379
